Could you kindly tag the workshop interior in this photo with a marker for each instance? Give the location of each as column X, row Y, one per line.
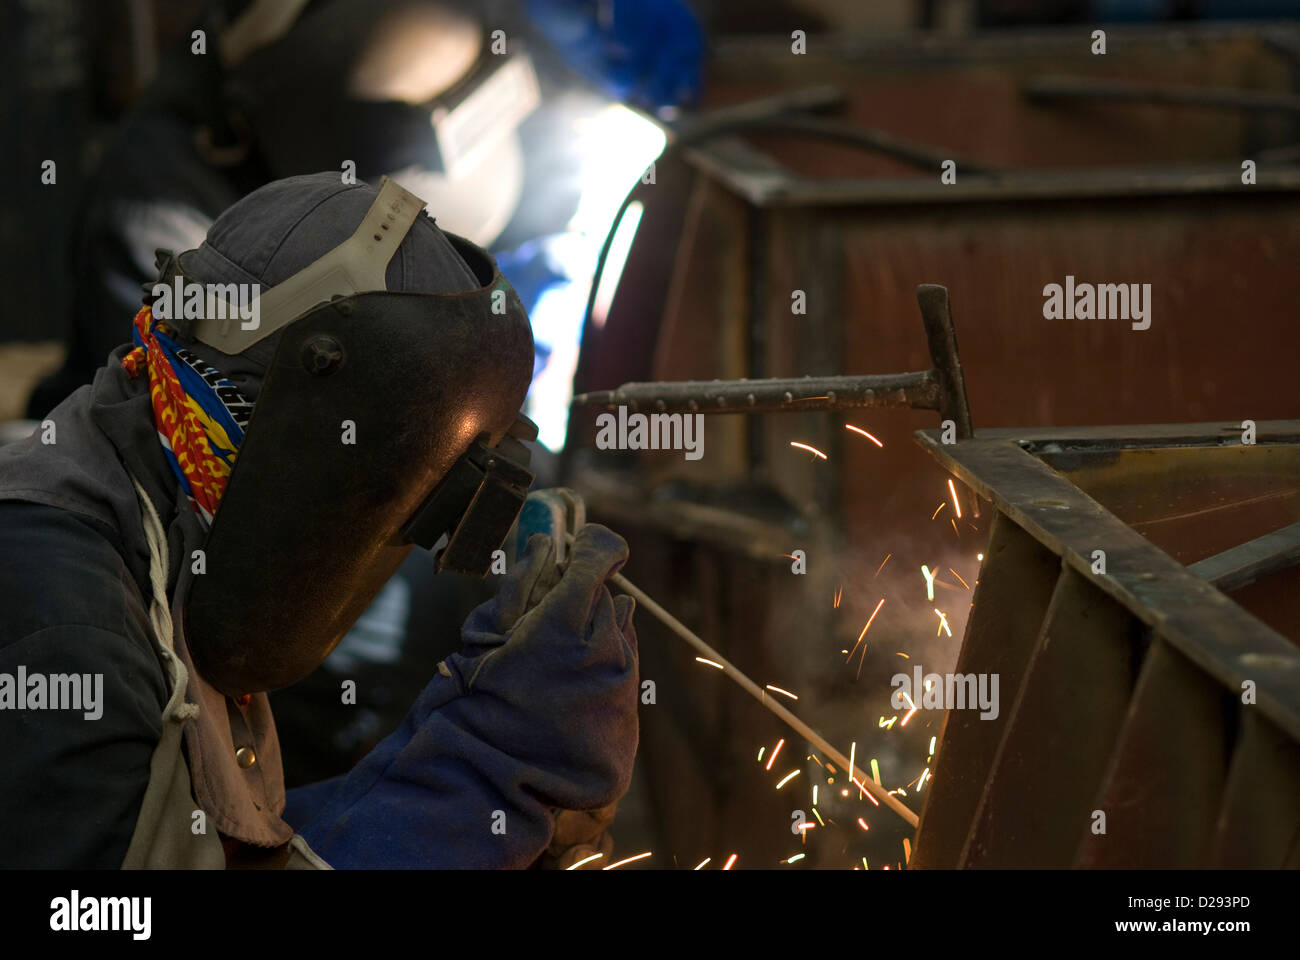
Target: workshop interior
column 934, row 358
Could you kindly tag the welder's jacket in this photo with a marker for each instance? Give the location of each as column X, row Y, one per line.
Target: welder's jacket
column 94, row 540
column 91, row 582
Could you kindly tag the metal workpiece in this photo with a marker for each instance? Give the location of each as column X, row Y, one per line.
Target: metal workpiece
column 774, row 395
column 1147, row 719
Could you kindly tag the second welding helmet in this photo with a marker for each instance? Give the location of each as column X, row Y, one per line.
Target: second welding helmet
column 383, row 417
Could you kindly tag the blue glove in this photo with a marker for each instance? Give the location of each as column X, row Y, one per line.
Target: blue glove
column 650, row 52
column 537, row 714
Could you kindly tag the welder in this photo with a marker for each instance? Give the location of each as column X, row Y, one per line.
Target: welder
column 205, row 521
column 470, row 104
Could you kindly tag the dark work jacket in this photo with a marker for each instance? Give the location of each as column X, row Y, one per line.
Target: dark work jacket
column 74, row 584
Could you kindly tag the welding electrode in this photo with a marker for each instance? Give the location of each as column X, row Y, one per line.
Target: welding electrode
column 754, row 690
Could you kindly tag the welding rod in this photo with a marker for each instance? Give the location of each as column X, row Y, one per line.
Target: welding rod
column 754, row 690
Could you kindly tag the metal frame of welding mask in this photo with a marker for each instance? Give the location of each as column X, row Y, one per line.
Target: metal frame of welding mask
column 310, row 528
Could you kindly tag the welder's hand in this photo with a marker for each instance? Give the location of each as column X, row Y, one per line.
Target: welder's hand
column 537, row 713
column 555, row 654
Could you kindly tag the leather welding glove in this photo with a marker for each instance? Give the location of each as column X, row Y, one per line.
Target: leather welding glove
column 537, row 714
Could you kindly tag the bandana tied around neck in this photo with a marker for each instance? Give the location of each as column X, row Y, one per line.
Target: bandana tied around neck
column 200, row 415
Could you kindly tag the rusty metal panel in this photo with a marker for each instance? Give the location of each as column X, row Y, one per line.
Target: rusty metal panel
column 1162, row 793
column 927, row 89
column 1060, row 732
column 1011, row 600
column 1259, row 824
column 1220, row 637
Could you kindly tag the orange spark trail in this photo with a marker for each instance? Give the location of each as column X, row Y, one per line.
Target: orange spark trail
column 730, row 861
column 775, row 750
column 937, row 509
column 849, row 426
column 813, row 450
column 865, row 629
column 639, row 856
column 882, row 565
column 956, row 504
column 958, row 576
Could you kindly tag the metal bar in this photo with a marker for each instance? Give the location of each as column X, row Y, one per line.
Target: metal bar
column 1056, row 88
column 1028, row 185
column 775, row 395
column 936, row 315
column 1147, row 434
column 1250, row 561
column 1204, row 625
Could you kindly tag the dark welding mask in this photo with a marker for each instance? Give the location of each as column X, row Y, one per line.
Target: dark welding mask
column 384, row 420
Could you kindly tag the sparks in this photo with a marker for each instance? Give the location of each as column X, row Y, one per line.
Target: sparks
column 700, row 865
column 863, row 824
column 863, row 634
column 937, row 509
column 888, row 724
column 882, row 565
column 929, row 583
column 903, row 655
column 730, row 861
column 775, row 750
column 788, row 777
column 907, row 845
column 943, row 623
column 925, row 775
column 909, row 712
column 956, row 504
column 839, row 595
column 979, row 557
column 594, row 856
column 639, row 856
column 853, row 750
column 761, row 751
column 849, row 426
column 958, row 576
column 933, row 740
column 813, row 450
column 718, row 665
column 819, row 818
column 796, row 858
column 786, row 693
column 954, row 527
column 875, row 771
column 864, row 793
column 814, row 794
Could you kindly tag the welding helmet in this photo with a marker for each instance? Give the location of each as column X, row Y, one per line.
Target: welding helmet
column 387, row 362
column 414, row 89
